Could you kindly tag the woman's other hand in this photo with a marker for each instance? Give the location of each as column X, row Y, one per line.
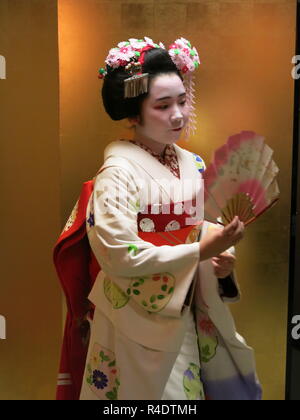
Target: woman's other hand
column 223, row 264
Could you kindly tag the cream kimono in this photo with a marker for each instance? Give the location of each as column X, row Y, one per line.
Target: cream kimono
column 161, row 329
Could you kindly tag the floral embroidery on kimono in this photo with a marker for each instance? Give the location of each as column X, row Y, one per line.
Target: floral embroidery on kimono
column 102, row 374
column 72, row 218
column 192, row 383
column 114, row 294
column 207, row 338
column 200, row 165
column 153, row 292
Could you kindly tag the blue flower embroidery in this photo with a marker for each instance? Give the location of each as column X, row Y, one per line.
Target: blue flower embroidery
column 192, row 383
column 99, row 379
column 199, row 163
column 91, row 220
column 189, row 374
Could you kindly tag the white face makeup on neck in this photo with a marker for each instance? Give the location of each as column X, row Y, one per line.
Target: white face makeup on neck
column 164, row 113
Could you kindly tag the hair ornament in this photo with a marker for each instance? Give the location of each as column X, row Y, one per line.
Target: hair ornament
column 130, row 54
column 102, row 73
column 184, row 56
column 186, row 59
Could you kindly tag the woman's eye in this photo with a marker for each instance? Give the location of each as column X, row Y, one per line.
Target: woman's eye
column 163, row 107
column 182, row 103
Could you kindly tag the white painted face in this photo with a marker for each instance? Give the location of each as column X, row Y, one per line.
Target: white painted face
column 164, row 112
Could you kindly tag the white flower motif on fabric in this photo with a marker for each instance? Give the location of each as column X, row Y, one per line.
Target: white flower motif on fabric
column 173, row 225
column 72, row 217
column 147, row 225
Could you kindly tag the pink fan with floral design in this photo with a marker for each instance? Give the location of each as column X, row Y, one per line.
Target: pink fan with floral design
column 241, row 180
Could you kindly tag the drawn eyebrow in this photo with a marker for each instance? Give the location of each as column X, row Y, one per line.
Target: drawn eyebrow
column 169, row 97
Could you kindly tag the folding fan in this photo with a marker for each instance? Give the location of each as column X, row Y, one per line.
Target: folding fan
column 241, row 180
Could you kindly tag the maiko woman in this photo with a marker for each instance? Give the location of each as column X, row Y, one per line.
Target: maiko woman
column 161, row 327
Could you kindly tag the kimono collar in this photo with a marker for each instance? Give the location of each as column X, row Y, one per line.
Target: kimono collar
column 160, row 157
column 151, row 165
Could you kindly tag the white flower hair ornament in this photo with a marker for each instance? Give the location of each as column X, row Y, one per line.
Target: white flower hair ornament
column 130, row 54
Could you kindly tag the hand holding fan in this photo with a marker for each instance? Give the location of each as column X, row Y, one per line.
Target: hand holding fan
column 241, row 180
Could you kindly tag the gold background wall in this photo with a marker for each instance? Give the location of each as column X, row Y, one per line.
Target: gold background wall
column 244, row 82
column 30, row 297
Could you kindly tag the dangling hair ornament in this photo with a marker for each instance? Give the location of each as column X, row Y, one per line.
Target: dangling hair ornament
column 137, row 83
column 186, row 60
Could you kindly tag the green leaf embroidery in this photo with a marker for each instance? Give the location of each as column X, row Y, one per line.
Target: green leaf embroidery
column 154, row 306
column 186, row 388
column 136, row 284
column 111, row 395
column 89, row 380
column 128, row 291
column 136, row 292
column 152, row 298
column 133, row 248
column 164, row 287
column 103, row 357
column 89, row 369
column 171, row 290
column 205, row 350
column 144, row 303
column 160, row 297
column 113, row 363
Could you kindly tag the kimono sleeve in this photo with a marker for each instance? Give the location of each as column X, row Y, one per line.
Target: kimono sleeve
column 127, row 259
column 229, row 289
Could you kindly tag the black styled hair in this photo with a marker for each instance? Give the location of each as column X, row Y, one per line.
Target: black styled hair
column 157, row 61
